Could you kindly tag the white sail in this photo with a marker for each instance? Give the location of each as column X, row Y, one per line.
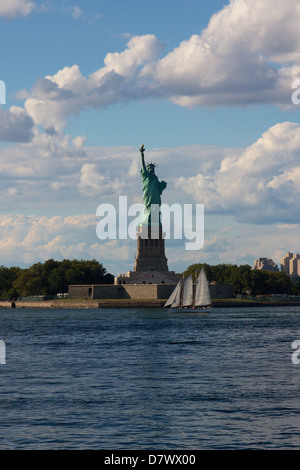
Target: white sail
column 202, row 297
column 174, row 299
column 187, row 299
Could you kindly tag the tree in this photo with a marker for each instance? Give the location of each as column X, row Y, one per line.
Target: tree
column 295, row 285
column 52, row 277
column 244, row 279
column 7, row 277
column 30, row 282
column 238, row 276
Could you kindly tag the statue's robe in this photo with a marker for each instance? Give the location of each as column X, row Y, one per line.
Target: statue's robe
column 152, row 190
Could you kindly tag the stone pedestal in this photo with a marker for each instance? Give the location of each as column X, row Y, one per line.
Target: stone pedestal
column 150, row 250
column 151, row 264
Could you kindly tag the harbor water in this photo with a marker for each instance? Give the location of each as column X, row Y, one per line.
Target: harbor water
column 150, row 379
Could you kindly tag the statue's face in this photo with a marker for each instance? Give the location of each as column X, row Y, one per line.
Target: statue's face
column 151, row 168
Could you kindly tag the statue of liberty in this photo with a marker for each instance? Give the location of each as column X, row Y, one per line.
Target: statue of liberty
column 152, row 190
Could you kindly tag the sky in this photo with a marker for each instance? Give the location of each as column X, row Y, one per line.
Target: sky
column 209, row 87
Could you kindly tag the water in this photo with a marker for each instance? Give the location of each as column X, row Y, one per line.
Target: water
column 148, row 379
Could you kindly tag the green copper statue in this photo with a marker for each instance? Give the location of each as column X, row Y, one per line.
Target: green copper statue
column 152, row 190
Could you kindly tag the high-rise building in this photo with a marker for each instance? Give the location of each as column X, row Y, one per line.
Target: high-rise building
column 285, row 263
column 265, row 264
column 295, row 265
column 290, row 264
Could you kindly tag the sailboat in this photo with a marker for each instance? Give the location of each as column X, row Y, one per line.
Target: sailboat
column 183, row 296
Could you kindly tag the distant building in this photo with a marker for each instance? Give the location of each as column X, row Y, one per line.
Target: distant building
column 265, row 264
column 290, row 264
column 285, row 263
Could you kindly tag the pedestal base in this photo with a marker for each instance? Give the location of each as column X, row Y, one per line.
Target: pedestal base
column 150, row 250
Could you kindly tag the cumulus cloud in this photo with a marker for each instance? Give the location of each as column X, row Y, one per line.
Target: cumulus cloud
column 15, row 125
column 92, row 182
column 53, row 98
column 15, row 8
column 248, row 53
column 260, row 185
column 56, row 173
column 25, row 240
column 30, row 238
column 229, row 242
column 40, row 173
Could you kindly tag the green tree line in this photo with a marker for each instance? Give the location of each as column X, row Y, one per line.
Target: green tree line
column 50, row 277
column 245, row 280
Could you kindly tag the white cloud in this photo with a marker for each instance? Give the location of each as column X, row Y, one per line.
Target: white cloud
column 54, row 174
column 15, row 125
column 91, row 182
column 25, row 240
column 30, row 238
column 260, row 185
column 68, row 92
column 249, row 53
column 244, row 56
column 40, row 174
column 140, row 50
column 15, row 8
column 76, row 12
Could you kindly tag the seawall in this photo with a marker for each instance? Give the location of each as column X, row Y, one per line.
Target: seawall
column 49, row 304
column 84, row 303
column 132, row 303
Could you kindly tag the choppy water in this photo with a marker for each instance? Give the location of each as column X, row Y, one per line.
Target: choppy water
column 148, row 379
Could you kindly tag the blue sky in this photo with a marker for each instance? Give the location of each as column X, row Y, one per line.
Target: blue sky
column 206, row 86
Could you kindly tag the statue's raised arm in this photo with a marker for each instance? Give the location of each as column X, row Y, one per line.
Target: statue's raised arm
column 142, row 150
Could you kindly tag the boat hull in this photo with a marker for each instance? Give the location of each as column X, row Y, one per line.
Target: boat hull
column 190, row 310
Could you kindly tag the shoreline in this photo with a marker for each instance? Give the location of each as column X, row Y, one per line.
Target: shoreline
column 133, row 303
